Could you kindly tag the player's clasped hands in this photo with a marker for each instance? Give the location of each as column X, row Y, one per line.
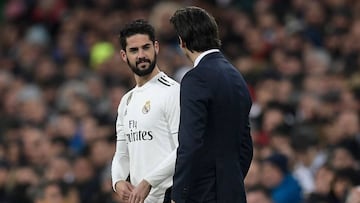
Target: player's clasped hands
column 124, row 190
column 140, row 192
column 130, row 194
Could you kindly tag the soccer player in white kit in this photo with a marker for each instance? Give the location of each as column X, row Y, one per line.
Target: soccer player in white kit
column 147, row 122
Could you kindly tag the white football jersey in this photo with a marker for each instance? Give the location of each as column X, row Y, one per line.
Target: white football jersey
column 147, row 135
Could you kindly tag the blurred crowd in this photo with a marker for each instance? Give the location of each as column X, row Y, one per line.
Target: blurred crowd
column 61, row 79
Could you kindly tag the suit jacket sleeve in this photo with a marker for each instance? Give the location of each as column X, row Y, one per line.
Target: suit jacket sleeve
column 246, row 150
column 194, row 99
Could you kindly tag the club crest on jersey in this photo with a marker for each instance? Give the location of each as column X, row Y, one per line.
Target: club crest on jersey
column 146, row 107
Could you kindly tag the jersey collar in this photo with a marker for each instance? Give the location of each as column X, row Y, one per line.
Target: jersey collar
column 157, row 76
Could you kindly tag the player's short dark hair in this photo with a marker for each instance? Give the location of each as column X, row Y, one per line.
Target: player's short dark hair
column 139, row 26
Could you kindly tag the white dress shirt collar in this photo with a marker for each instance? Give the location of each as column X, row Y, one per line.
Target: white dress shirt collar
column 197, row 60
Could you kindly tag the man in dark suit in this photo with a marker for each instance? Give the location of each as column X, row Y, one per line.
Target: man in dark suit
column 215, row 146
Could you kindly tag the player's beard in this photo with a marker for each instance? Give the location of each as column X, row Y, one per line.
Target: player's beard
column 143, row 72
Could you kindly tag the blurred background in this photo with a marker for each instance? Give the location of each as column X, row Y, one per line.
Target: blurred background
column 61, row 79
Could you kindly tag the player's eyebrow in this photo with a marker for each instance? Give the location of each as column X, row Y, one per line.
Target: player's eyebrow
column 132, row 49
column 145, row 46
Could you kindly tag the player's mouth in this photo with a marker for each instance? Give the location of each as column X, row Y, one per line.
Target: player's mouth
column 143, row 62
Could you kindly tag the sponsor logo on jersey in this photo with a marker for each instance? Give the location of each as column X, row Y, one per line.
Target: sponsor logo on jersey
column 146, row 107
column 138, row 135
column 134, row 136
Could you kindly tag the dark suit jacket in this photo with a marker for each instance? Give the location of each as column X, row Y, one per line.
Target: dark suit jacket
column 215, row 147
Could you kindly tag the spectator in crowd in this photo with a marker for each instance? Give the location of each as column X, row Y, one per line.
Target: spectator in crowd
column 53, row 192
column 342, row 155
column 345, row 179
column 258, row 193
column 353, row 196
column 324, row 177
column 85, row 180
column 4, row 174
column 280, row 141
column 277, row 178
column 253, row 177
column 308, row 157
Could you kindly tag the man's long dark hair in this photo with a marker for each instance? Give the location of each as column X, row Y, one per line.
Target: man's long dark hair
column 139, row 26
column 196, row 28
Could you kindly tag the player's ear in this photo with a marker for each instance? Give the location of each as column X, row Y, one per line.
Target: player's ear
column 123, row 55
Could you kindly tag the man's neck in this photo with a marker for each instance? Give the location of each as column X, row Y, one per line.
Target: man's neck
column 192, row 55
column 195, row 57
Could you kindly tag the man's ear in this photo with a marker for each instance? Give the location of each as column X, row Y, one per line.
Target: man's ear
column 182, row 43
column 157, row 47
column 123, row 55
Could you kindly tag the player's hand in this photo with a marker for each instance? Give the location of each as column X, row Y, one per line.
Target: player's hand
column 172, row 201
column 124, row 189
column 140, row 192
